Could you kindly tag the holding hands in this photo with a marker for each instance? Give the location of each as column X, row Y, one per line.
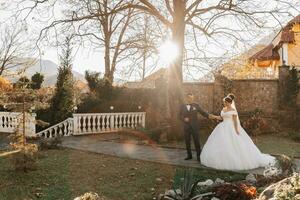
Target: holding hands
column 215, row 117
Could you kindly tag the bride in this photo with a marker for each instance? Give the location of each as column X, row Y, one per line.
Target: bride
column 229, row 147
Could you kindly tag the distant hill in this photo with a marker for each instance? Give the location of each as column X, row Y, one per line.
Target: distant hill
column 50, row 70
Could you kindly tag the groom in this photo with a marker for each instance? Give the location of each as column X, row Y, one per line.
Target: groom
column 188, row 115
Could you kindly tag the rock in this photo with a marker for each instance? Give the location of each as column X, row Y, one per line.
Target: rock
column 152, row 189
column 272, row 171
column 158, row 179
column 251, row 178
column 219, row 181
column 208, row 182
column 170, row 193
column 283, row 188
column 214, row 198
column 173, row 193
column 38, row 194
column 134, row 168
column 132, row 174
column 160, row 196
column 178, row 191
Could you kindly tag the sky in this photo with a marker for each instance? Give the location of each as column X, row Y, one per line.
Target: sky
column 85, row 58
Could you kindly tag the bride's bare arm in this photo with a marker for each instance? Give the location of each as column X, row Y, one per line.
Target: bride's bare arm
column 219, row 118
column 235, row 122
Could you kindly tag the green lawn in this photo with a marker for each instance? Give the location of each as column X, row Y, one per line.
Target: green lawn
column 271, row 144
column 274, row 144
column 65, row 174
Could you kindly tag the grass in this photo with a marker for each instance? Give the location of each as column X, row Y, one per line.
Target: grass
column 271, row 144
column 4, row 139
column 65, row 174
column 276, row 144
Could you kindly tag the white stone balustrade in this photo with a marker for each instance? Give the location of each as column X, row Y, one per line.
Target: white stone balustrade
column 64, row 128
column 91, row 123
column 11, row 121
column 87, row 123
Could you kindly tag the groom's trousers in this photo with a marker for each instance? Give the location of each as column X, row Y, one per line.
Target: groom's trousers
column 190, row 133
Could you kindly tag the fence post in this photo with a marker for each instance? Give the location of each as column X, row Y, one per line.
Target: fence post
column 143, row 119
column 31, row 121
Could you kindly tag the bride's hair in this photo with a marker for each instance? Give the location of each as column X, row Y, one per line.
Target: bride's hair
column 228, row 99
column 231, row 95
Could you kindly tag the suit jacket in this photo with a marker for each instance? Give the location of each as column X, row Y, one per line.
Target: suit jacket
column 192, row 114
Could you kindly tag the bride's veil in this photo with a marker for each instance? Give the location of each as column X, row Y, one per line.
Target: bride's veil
column 234, row 107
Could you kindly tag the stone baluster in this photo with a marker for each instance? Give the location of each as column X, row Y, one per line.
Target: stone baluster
column 123, row 120
column 112, row 122
column 88, row 123
column 83, row 124
column 128, row 120
column 102, row 123
column 98, row 123
column 131, row 121
column 70, row 129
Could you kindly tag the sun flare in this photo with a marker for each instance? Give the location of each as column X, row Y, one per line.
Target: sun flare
column 168, row 52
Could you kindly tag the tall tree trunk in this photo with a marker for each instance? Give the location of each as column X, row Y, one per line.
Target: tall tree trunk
column 107, row 38
column 107, row 60
column 175, row 89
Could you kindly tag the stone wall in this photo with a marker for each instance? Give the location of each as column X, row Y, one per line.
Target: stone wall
column 250, row 95
column 203, row 92
column 256, row 94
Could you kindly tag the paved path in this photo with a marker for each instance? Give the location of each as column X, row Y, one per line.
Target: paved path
column 133, row 151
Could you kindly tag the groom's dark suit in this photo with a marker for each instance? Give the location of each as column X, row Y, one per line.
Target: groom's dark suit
column 191, row 128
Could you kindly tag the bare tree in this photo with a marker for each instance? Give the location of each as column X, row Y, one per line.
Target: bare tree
column 93, row 22
column 15, row 49
column 142, row 55
column 217, row 21
column 204, row 24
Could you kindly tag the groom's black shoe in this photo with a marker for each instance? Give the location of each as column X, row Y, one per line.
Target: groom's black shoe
column 188, row 158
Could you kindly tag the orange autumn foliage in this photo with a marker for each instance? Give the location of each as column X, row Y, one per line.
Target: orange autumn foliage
column 5, row 85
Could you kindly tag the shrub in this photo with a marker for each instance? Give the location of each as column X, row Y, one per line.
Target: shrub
column 52, row 143
column 295, row 136
column 45, row 116
column 256, row 124
column 62, row 102
column 292, row 88
column 25, row 157
column 36, row 81
column 23, row 82
column 154, row 134
column 90, row 196
column 235, row 191
column 286, row 164
column 286, row 189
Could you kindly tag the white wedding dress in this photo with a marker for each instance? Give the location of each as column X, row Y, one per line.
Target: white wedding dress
column 227, row 150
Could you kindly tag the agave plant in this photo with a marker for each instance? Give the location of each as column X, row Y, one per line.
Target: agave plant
column 187, row 191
